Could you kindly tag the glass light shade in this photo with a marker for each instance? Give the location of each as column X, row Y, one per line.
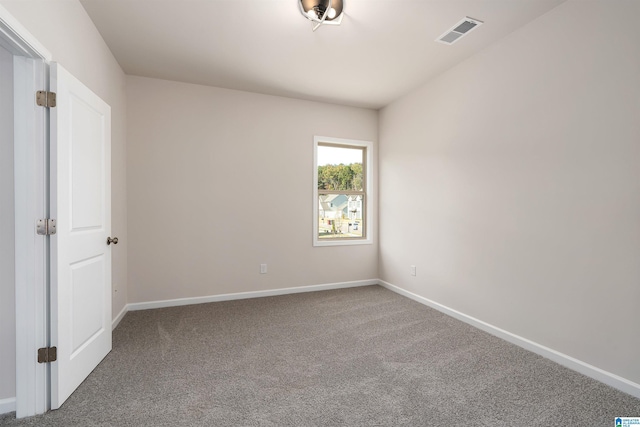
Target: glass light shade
column 314, row 10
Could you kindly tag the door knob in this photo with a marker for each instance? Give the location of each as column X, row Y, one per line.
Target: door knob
column 110, row 240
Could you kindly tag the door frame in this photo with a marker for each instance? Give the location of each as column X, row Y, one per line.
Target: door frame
column 31, row 165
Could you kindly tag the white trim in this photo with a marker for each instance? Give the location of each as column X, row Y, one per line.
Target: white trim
column 7, row 405
column 16, row 39
column 246, row 295
column 30, row 160
column 116, row 321
column 574, row 364
column 31, row 250
column 369, row 191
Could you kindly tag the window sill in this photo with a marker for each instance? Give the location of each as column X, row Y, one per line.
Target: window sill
column 326, row 242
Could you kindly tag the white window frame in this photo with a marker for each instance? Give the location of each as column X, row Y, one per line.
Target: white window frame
column 369, row 191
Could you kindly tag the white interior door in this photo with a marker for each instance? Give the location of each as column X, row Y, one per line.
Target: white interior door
column 80, row 257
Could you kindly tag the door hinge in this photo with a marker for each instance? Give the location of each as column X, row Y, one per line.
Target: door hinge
column 46, row 227
column 47, row 354
column 46, row 99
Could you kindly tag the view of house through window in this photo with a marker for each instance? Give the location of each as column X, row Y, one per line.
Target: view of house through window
column 341, row 191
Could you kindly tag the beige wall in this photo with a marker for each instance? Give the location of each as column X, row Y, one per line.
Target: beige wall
column 512, row 182
column 221, row 181
column 7, row 231
column 64, row 28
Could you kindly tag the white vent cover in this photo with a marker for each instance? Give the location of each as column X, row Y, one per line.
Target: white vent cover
column 459, row 30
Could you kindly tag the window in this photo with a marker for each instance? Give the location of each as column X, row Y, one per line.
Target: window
column 341, row 198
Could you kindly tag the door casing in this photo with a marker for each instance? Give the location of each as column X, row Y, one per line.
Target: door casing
column 31, row 203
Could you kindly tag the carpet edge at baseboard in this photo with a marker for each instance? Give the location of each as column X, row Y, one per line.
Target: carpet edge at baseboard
column 572, row 363
column 7, row 405
column 116, row 320
column 245, row 295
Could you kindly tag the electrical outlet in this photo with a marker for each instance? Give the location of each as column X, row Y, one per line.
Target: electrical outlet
column 263, row 268
column 413, row 270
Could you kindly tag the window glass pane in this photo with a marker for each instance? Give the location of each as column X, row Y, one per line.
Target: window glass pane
column 340, row 215
column 340, row 168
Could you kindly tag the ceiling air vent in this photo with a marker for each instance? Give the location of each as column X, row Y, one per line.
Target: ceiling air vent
column 459, row 30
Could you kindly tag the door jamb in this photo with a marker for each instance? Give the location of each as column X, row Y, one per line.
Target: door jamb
column 31, row 203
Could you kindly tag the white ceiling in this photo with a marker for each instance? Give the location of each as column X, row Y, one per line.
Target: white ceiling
column 382, row 50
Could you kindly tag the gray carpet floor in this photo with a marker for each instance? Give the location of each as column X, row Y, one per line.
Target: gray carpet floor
column 350, row 357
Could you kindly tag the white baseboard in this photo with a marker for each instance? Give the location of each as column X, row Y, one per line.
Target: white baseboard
column 7, row 405
column 119, row 317
column 245, row 295
column 591, row 371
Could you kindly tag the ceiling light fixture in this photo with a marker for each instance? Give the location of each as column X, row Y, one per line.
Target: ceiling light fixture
column 322, row 11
